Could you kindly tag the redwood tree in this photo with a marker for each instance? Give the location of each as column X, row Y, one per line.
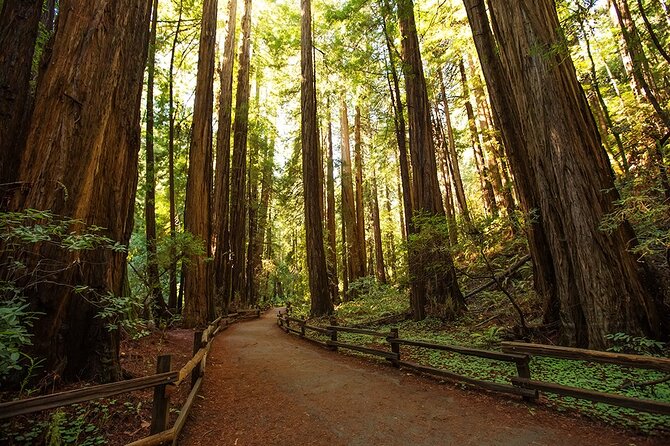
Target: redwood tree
column 19, row 25
column 312, row 186
column 80, row 160
column 592, row 283
column 199, row 302
column 437, row 287
column 238, row 208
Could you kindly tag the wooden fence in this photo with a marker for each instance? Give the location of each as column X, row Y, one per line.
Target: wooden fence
column 160, row 434
column 512, row 352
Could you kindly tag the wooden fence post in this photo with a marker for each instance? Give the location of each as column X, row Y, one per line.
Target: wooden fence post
column 161, row 406
column 197, row 344
column 395, row 347
column 333, row 333
column 523, row 370
column 302, row 328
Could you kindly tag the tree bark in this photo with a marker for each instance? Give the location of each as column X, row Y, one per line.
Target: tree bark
column 455, row 168
column 80, row 161
column 19, row 25
column 222, row 265
column 380, row 271
column 330, row 218
column 360, row 208
column 587, row 276
column 356, row 260
column 442, row 289
column 321, row 304
column 153, row 278
column 238, row 208
column 198, row 290
column 172, row 299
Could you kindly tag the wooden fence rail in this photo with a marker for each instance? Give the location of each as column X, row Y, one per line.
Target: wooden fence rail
column 194, row 367
column 514, row 352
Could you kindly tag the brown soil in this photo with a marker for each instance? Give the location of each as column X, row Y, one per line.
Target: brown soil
column 264, row 387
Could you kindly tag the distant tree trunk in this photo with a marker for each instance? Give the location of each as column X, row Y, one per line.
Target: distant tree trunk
column 455, row 168
column 238, row 209
column 360, row 209
column 393, row 260
column 263, row 210
column 330, row 218
column 49, row 15
column 198, row 290
column 172, row 299
column 441, row 289
column 640, row 64
column 80, row 161
column 609, row 125
column 587, row 276
column 222, row 265
column 153, row 278
column 380, row 272
column 19, row 25
column 448, row 196
column 313, row 188
column 356, row 259
column 480, row 162
column 652, row 34
column 346, row 265
column 252, row 209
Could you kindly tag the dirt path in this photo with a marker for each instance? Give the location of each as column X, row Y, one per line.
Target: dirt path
column 264, row 387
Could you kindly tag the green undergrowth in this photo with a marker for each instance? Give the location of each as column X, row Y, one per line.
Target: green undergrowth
column 79, row 424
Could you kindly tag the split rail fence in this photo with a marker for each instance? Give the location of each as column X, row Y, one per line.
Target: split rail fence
column 160, row 434
column 512, row 352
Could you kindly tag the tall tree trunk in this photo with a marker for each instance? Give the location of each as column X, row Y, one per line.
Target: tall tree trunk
column 80, row 161
column 19, row 25
column 641, row 70
column 172, row 299
column 330, row 218
column 441, row 290
column 401, row 134
column 346, row 264
column 267, row 165
column 198, row 290
column 153, row 278
column 380, row 272
column 652, row 34
column 356, row 259
column 588, row 276
column 455, row 168
column 448, row 196
column 360, row 209
column 238, row 209
column 313, row 188
column 480, row 162
column 222, row 265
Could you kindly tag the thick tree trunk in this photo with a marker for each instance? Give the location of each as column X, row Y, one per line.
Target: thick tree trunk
column 440, row 289
column 223, row 272
column 172, row 299
column 19, row 25
column 80, row 161
column 330, row 218
column 360, row 209
column 313, row 187
column 153, row 278
column 587, row 276
column 356, row 259
column 198, row 286
column 238, row 208
column 455, row 168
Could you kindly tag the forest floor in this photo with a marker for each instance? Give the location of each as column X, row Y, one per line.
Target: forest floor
column 264, row 387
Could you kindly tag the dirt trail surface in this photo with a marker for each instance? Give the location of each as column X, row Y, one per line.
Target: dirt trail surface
column 265, row 387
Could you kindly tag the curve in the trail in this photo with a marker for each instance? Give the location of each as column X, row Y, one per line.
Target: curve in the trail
column 264, row 387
